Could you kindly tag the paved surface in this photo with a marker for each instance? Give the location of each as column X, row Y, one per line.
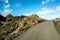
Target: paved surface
column 42, row 31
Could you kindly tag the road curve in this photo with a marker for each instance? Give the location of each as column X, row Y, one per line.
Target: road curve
column 42, row 31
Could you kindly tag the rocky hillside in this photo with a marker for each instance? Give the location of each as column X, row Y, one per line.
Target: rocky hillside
column 57, row 24
column 12, row 26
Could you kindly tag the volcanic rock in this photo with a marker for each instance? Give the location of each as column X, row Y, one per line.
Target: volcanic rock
column 2, row 18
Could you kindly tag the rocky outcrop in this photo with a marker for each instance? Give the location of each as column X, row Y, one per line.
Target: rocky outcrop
column 57, row 24
column 16, row 25
column 9, row 17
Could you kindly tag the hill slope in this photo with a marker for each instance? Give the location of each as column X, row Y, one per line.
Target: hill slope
column 16, row 25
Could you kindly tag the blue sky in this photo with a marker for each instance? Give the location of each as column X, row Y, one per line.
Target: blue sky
column 47, row 9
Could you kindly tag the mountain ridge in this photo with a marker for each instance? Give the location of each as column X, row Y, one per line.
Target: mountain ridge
column 13, row 26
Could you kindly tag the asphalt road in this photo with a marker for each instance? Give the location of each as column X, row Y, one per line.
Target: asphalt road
column 42, row 31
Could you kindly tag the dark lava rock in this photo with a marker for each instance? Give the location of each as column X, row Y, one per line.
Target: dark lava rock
column 2, row 18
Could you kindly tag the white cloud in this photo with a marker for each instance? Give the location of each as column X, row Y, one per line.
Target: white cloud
column 45, row 11
column 29, row 14
column 58, row 8
column 48, row 13
column 7, row 6
column 6, row 1
column 46, row 1
column 6, row 11
column 43, row 2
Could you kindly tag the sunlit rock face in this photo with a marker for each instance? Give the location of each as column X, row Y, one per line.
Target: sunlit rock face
column 57, row 24
column 16, row 25
column 9, row 17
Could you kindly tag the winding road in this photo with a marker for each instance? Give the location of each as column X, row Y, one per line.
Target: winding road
column 42, row 31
